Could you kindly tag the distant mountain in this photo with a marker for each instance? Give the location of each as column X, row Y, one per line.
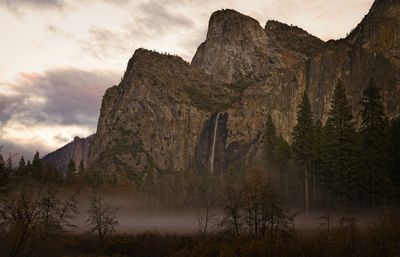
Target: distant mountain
column 77, row 150
column 168, row 115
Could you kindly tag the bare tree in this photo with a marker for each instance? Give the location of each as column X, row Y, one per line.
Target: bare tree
column 232, row 204
column 56, row 214
column 207, row 203
column 20, row 217
column 205, row 216
column 31, row 212
column 102, row 219
column 254, row 207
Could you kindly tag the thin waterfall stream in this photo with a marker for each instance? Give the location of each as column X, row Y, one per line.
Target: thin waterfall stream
column 213, row 144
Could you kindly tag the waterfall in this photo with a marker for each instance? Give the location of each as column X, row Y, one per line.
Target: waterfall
column 213, row 144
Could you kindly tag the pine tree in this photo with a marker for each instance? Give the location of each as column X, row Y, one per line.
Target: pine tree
column 22, row 166
column 2, row 167
column 28, row 168
column 282, row 154
column 303, row 142
column 71, row 170
column 9, row 164
column 373, row 137
column 71, row 166
column 2, row 164
column 37, row 167
column 326, row 172
column 342, row 146
column 318, row 164
column 3, row 173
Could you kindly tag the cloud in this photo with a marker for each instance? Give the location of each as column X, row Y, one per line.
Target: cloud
column 61, row 96
column 147, row 21
column 104, row 43
column 157, row 19
column 18, row 5
column 117, row 2
column 9, row 105
column 25, row 140
column 18, row 150
column 56, row 30
column 52, row 107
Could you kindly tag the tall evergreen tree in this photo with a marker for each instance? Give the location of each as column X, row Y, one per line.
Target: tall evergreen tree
column 282, row 154
column 303, row 143
column 9, row 164
column 37, row 171
column 22, row 166
column 341, row 143
column 28, row 168
column 318, row 164
column 326, row 173
column 2, row 164
column 71, row 166
column 373, row 140
column 71, row 170
column 3, row 172
column 270, row 140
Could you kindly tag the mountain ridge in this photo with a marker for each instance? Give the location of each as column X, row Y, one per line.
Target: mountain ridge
column 254, row 72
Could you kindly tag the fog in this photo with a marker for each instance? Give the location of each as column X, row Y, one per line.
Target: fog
column 140, row 221
column 136, row 216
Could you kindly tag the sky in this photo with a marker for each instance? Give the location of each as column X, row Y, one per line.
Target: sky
column 57, row 57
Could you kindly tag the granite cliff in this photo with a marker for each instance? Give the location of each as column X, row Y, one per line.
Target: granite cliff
column 167, row 114
column 155, row 118
column 77, row 150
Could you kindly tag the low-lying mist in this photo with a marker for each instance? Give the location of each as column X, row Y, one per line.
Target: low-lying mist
column 137, row 215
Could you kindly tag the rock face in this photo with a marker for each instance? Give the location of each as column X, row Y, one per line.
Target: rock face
column 300, row 62
column 154, row 118
column 269, row 64
column 236, row 47
column 77, row 150
column 372, row 50
column 205, row 116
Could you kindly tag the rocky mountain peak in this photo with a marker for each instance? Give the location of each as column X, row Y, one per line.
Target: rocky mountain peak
column 233, row 26
column 236, row 47
column 151, row 62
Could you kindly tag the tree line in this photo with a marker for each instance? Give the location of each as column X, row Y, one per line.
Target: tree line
column 37, row 170
column 343, row 163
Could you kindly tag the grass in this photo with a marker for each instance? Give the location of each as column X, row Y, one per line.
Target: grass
column 377, row 240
